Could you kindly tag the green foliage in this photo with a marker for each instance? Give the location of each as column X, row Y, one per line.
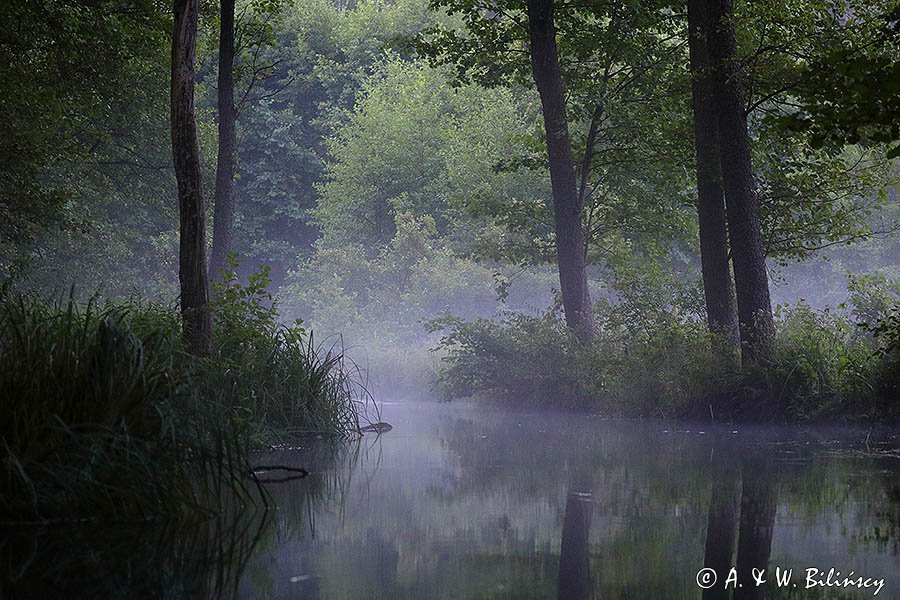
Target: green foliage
column 242, row 311
column 314, row 71
column 100, row 421
column 104, row 414
column 83, row 129
column 417, row 144
column 622, row 71
column 534, row 360
column 849, row 92
column 825, row 364
column 273, row 377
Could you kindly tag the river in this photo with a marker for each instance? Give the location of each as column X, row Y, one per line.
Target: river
column 460, row 501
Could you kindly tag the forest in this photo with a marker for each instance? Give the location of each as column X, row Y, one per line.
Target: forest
column 228, row 225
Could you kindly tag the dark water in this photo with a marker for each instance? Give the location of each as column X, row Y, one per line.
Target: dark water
column 460, row 502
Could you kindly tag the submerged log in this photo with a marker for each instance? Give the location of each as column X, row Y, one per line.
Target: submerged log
column 379, row 427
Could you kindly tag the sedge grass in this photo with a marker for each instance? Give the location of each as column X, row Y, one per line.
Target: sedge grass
column 103, row 415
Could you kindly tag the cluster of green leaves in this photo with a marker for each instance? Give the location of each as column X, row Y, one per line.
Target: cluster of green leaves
column 273, row 376
column 849, row 92
column 525, row 360
column 624, row 64
column 84, row 163
column 417, row 144
column 311, row 71
column 825, row 364
column 623, row 73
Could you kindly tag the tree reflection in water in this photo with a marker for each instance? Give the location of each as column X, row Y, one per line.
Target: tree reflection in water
column 461, row 502
column 185, row 559
column 574, row 582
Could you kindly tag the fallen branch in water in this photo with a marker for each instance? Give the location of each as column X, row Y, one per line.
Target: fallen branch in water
column 300, row 473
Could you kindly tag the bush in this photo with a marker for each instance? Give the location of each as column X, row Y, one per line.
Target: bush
column 823, row 365
column 273, row 377
column 520, row 358
column 827, row 364
column 103, row 413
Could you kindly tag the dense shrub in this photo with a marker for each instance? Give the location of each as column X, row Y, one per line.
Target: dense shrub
column 273, row 377
column 535, row 360
column 103, row 413
column 825, row 364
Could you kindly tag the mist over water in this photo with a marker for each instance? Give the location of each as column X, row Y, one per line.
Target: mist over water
column 426, row 200
column 459, row 501
column 465, row 502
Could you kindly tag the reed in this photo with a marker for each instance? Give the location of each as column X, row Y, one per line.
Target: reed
column 103, row 414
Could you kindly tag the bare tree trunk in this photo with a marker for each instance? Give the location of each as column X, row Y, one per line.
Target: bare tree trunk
column 186, row 155
column 747, row 251
column 223, row 215
column 567, row 206
column 717, row 284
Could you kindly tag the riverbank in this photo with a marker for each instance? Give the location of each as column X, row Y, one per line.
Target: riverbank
column 825, row 365
column 105, row 414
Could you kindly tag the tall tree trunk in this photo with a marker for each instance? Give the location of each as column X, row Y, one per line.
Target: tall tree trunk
column 186, row 155
column 223, row 209
column 717, row 284
column 567, row 206
column 747, row 251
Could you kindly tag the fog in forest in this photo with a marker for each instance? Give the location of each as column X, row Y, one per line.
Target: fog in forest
column 449, row 298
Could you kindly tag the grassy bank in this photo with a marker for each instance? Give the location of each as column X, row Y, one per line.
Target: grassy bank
column 104, row 414
column 828, row 364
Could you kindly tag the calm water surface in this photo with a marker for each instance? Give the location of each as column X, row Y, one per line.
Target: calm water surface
column 465, row 502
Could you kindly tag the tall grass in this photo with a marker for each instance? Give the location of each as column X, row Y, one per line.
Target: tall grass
column 102, row 413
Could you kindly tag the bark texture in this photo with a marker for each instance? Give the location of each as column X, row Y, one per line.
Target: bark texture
column 186, row 155
column 223, row 208
column 567, row 204
column 718, row 287
column 747, row 250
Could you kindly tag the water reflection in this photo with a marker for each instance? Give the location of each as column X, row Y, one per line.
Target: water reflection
column 459, row 502
column 574, row 581
column 147, row 560
column 758, row 504
column 722, row 522
column 159, row 559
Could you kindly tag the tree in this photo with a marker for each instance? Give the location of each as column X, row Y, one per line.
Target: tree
column 717, row 283
column 757, row 327
column 850, row 92
column 70, row 122
column 192, row 273
column 223, row 215
column 568, row 204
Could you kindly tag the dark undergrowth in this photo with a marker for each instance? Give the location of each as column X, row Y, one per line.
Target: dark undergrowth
column 103, row 414
column 841, row 364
